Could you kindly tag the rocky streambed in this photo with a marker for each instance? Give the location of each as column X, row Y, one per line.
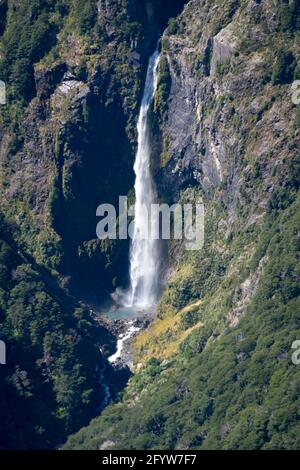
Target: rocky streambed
column 125, row 328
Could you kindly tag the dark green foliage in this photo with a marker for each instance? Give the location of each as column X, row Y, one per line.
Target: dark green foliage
column 85, row 14
column 25, row 45
column 289, row 15
column 280, row 199
column 284, row 67
column 223, row 68
column 30, row 44
column 3, row 12
column 297, row 73
column 286, row 192
column 297, row 118
column 173, row 26
column 227, row 388
column 49, row 386
column 242, row 391
column 56, row 206
column 163, row 88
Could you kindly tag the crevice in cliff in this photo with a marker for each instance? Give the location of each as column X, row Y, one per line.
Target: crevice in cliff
column 3, row 13
column 158, row 14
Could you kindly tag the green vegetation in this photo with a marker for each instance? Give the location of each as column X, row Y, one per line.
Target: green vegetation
column 49, row 386
column 3, row 12
column 223, row 68
column 28, row 35
column 85, row 14
column 36, row 45
column 289, row 15
column 163, row 88
column 241, row 391
column 52, row 384
column 214, row 371
column 173, row 26
column 283, row 71
column 297, row 118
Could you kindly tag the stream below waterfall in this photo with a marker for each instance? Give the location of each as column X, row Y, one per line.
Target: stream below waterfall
column 125, row 324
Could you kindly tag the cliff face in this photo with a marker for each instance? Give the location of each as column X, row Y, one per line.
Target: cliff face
column 65, row 140
column 223, row 108
column 224, row 128
column 74, row 74
column 224, row 121
column 59, row 155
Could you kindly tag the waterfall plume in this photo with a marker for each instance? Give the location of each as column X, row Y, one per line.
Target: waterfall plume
column 144, row 251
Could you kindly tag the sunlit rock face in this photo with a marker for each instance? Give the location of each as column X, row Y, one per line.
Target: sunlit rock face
column 219, row 80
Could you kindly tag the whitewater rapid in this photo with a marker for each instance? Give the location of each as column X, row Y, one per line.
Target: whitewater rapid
column 121, row 340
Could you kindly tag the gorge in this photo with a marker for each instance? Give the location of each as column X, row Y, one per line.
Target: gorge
column 213, row 369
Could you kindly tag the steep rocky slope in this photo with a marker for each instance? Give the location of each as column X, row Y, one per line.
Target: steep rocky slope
column 74, row 83
column 73, row 72
column 215, row 370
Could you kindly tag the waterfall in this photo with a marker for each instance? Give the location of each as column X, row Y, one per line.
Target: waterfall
column 144, row 252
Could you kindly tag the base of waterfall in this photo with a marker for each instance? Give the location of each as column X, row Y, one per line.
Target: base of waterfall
column 125, row 323
column 129, row 313
column 123, row 313
column 124, row 307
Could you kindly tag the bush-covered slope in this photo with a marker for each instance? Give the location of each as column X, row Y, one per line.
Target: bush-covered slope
column 73, row 76
column 51, row 383
column 61, row 95
column 241, row 391
column 215, row 369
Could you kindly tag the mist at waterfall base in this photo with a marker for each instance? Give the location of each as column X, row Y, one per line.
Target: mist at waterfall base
column 144, row 251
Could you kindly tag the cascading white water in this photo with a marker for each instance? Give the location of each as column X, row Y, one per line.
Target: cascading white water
column 144, row 252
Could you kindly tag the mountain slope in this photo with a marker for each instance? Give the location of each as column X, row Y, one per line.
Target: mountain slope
column 73, row 72
column 239, row 391
column 215, row 370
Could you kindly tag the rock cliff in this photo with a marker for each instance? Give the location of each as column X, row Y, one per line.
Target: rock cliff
column 224, row 129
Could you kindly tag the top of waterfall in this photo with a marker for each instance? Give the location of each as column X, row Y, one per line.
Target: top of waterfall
column 151, row 79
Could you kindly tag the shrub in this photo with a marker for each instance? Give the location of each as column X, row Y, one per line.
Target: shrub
column 27, row 37
column 289, row 12
column 3, row 11
column 284, row 67
column 163, row 88
column 173, row 26
column 85, row 14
